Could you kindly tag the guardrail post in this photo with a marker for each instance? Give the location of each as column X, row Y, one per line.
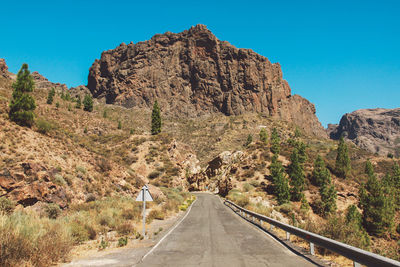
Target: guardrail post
column 356, row 264
column 312, row 252
column 288, row 236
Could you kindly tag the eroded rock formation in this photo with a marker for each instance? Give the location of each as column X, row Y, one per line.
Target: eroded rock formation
column 193, row 73
column 377, row 130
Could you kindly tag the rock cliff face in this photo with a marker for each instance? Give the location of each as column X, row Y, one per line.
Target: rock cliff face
column 377, row 130
column 192, row 73
column 4, row 69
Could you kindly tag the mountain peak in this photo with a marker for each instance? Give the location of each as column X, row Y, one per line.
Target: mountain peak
column 192, row 73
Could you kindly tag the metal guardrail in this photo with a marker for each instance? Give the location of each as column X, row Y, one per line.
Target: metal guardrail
column 358, row 256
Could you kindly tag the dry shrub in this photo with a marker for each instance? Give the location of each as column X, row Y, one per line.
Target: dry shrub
column 103, row 165
column 156, row 214
column 238, row 198
column 125, row 228
column 171, row 205
column 27, row 240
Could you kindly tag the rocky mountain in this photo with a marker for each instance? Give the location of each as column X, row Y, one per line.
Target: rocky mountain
column 4, row 69
column 377, row 130
column 192, row 73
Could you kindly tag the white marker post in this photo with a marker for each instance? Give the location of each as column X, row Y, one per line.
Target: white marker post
column 144, row 195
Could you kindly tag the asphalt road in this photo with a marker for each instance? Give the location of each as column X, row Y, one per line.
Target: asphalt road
column 212, row 235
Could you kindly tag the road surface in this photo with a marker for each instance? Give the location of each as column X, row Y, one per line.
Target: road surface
column 212, row 235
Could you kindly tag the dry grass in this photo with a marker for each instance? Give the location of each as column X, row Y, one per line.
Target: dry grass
column 32, row 241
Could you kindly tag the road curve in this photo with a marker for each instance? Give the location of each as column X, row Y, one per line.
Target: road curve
column 212, row 235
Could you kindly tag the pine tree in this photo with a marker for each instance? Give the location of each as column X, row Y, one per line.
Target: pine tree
column 301, row 149
column 320, row 173
column 296, row 175
column 119, row 125
column 354, row 220
column 395, row 183
column 88, row 103
column 275, row 141
column 342, row 166
column 50, row 96
column 353, row 215
column 280, row 182
column 376, row 201
column 22, row 104
column 328, row 195
column 249, row 140
column 156, row 119
column 396, row 176
column 78, row 102
column 263, row 135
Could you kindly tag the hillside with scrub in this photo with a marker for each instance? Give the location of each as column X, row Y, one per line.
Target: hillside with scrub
column 221, row 120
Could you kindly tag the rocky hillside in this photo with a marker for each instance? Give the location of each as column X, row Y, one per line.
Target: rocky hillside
column 377, row 130
column 193, row 73
column 71, row 155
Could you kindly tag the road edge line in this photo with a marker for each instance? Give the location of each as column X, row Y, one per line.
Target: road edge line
column 170, row 231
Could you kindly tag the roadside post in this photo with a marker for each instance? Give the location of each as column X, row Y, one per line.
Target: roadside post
column 144, row 195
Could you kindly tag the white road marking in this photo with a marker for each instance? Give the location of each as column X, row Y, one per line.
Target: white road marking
column 170, row 231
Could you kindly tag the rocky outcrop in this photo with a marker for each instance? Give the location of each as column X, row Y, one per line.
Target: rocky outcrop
column 41, row 83
column 4, row 69
column 193, row 73
column 80, row 90
column 377, row 130
column 31, row 186
column 216, row 176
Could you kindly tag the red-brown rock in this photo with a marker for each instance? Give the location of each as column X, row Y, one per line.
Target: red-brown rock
column 4, row 69
column 193, row 73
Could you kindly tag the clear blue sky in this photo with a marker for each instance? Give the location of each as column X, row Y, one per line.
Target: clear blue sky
column 341, row 55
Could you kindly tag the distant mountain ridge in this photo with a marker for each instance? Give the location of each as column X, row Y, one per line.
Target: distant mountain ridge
column 192, row 73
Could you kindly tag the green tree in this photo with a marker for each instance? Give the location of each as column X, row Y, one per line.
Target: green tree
column 296, row 175
column 376, row 201
column 156, row 119
column 342, row 166
column 22, row 104
column 275, row 141
column 395, row 183
column 280, row 182
column 320, row 173
column 353, row 215
column 119, row 125
column 328, row 195
column 50, row 96
column 249, row 140
column 78, row 102
column 301, row 148
column 354, row 221
column 88, row 103
column 263, row 135
column 396, row 176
